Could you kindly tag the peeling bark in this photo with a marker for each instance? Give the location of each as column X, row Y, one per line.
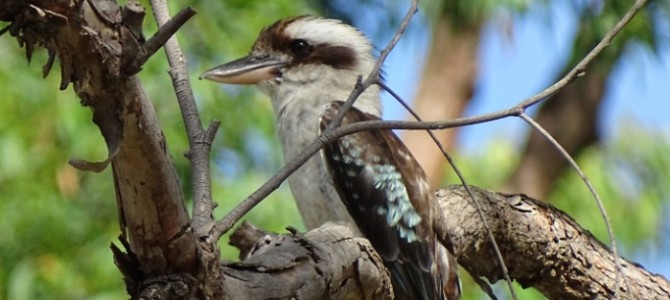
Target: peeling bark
column 542, row 247
column 96, row 48
column 326, row 263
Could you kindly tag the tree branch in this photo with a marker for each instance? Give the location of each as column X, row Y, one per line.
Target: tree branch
column 200, row 140
column 327, row 263
column 546, row 248
column 91, row 41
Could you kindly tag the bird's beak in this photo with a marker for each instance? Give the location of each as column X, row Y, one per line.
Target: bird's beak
column 246, row 70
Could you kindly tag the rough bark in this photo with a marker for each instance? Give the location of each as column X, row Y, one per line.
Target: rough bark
column 444, row 91
column 542, row 247
column 99, row 52
column 327, row 263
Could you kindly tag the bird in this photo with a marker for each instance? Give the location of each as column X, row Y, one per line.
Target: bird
column 369, row 180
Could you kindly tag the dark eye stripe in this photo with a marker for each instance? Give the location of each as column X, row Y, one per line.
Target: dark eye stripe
column 272, row 37
column 338, row 57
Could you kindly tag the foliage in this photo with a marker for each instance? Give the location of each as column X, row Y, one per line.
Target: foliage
column 597, row 18
column 56, row 223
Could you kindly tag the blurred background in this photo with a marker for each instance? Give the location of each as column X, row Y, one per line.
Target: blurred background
column 457, row 58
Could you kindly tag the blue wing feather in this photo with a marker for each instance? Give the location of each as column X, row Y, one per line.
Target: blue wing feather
column 386, row 193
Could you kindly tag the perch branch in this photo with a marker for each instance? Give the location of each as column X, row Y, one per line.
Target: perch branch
column 549, row 250
column 326, row 263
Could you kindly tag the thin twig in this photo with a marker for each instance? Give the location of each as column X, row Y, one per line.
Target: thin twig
column 165, row 32
column 587, row 182
column 227, row 222
column 373, row 77
column 579, row 69
column 199, row 140
column 471, row 195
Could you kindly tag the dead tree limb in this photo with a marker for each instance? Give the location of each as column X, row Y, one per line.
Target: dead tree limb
column 96, row 43
column 326, row 263
column 543, row 247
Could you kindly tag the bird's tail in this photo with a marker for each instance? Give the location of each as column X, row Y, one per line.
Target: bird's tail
column 445, row 268
column 441, row 282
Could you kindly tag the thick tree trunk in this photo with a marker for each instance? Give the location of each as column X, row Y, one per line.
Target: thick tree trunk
column 445, row 89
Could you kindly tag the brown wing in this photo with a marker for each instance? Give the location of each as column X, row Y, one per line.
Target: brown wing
column 388, row 196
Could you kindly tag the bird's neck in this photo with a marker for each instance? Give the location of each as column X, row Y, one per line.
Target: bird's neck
column 297, row 107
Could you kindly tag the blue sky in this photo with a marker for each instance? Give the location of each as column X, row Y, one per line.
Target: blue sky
column 517, row 65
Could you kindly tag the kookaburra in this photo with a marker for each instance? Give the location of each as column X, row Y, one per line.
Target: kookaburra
column 368, row 179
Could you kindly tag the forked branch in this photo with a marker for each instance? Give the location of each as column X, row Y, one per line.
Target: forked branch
column 200, row 140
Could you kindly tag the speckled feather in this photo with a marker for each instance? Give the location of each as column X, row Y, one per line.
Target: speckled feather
column 388, row 196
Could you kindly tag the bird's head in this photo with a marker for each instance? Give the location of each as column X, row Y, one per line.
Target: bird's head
column 304, row 54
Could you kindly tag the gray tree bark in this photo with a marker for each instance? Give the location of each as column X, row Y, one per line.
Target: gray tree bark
column 542, row 247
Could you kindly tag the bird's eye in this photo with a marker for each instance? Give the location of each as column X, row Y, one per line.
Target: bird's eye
column 300, row 47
